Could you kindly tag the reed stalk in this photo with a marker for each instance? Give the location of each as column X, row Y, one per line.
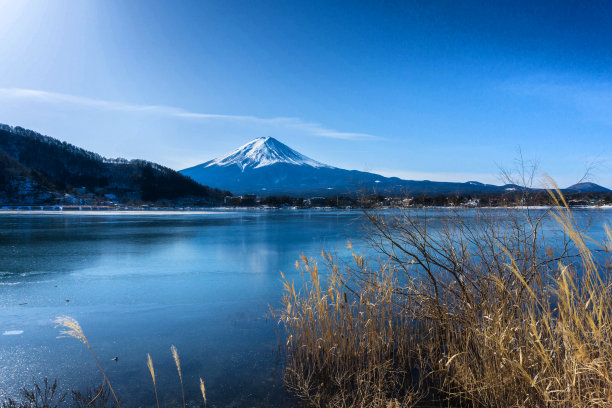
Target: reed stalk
column 178, row 368
column 203, row 391
column 73, row 329
column 152, row 372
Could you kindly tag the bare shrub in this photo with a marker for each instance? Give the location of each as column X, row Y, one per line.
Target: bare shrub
column 45, row 396
column 480, row 308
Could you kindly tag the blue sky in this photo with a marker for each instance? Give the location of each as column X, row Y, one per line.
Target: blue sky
column 441, row 90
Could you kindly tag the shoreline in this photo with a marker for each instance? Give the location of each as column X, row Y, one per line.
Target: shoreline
column 88, row 210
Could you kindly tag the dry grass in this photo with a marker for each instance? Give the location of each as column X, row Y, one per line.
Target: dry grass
column 203, row 391
column 349, row 349
column 72, row 328
column 175, row 356
column 152, row 371
column 479, row 309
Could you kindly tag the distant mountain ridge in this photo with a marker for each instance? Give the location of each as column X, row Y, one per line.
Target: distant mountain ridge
column 37, row 169
column 588, row 187
column 265, row 167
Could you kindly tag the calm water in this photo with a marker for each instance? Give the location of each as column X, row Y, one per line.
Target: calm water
column 139, row 283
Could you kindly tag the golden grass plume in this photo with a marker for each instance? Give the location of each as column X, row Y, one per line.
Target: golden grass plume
column 152, row 372
column 203, row 390
column 177, row 361
column 72, row 328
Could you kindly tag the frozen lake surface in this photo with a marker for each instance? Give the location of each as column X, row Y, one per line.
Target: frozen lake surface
column 141, row 282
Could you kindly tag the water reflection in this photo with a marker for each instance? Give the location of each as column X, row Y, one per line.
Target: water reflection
column 140, row 283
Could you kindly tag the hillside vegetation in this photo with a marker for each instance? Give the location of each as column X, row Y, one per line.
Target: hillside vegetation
column 39, row 169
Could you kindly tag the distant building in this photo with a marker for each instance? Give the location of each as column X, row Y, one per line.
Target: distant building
column 473, row 203
column 343, row 201
column 249, row 199
column 235, row 201
column 69, row 199
column 316, row 201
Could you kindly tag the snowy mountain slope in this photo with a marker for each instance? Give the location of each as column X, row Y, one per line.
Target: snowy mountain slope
column 265, row 166
column 261, row 152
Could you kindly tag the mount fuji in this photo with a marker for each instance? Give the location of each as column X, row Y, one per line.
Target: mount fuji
column 262, row 152
column 265, row 167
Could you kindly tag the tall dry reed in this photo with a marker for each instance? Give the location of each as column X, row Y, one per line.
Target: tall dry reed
column 152, row 372
column 203, row 391
column 72, row 328
column 175, row 356
column 476, row 309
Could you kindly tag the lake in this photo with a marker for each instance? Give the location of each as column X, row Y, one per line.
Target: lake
column 141, row 282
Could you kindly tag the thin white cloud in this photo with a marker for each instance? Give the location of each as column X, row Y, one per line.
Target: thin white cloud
column 54, row 98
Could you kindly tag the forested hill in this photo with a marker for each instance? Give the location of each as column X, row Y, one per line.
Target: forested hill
column 40, row 169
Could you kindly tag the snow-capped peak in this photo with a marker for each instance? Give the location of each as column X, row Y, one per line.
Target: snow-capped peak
column 263, row 151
